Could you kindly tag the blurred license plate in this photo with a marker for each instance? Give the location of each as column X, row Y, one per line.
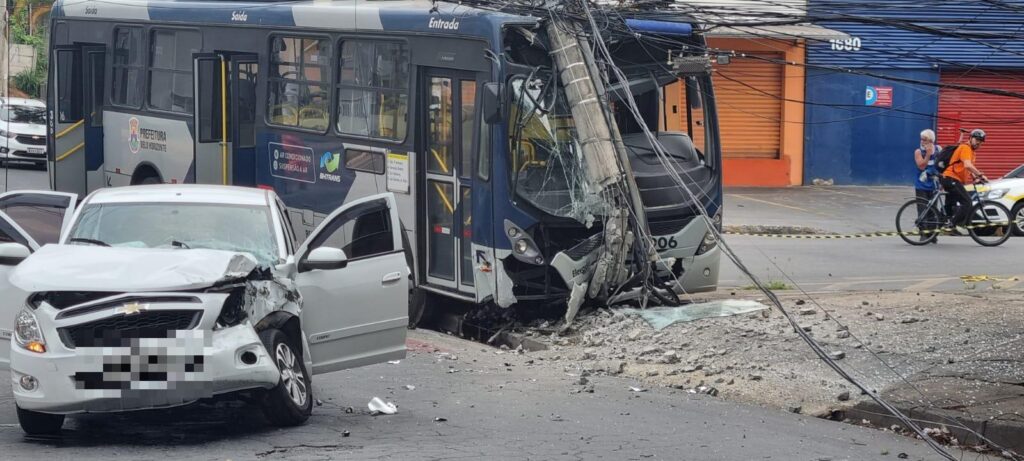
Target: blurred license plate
column 36, row 150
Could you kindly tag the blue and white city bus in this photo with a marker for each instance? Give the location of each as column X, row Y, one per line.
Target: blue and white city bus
column 454, row 110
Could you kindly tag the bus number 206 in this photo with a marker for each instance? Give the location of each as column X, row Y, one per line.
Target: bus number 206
column 666, row 243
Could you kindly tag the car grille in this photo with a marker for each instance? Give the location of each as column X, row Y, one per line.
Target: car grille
column 31, row 140
column 115, row 331
column 668, row 225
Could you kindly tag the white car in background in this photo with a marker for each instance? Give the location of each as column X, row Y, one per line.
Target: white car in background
column 1009, row 191
column 158, row 296
column 22, row 131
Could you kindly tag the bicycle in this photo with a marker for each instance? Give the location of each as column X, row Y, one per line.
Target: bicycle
column 920, row 221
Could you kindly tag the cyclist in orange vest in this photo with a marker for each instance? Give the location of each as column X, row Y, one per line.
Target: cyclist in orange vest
column 962, row 171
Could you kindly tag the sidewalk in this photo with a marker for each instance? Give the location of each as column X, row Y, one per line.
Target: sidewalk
column 829, row 209
column 962, row 352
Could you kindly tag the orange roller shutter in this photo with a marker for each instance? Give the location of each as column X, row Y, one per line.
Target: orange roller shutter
column 1001, row 117
column 749, row 93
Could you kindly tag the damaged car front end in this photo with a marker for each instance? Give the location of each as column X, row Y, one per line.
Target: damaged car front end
column 107, row 342
column 159, row 296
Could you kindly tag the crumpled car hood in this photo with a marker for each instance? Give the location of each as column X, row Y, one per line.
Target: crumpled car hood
column 94, row 268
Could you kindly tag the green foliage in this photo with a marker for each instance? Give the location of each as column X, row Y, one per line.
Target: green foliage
column 30, row 82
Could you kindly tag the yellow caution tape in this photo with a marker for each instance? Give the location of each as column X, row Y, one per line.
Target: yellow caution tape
column 862, row 235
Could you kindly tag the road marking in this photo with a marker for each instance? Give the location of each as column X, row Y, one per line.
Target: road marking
column 862, row 197
column 927, row 284
column 766, row 202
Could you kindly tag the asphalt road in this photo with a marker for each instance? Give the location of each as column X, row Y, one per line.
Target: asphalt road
column 495, row 406
column 855, row 264
column 23, row 177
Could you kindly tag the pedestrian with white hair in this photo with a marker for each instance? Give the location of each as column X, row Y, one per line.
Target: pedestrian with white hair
column 924, row 157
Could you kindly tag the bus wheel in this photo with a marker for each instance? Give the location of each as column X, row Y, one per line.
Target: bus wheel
column 417, row 305
column 149, row 180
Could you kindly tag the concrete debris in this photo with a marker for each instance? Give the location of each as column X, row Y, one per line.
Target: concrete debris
column 380, row 407
column 910, row 320
column 394, row 362
column 612, row 367
column 808, row 311
column 637, row 389
column 670, row 357
column 800, row 302
column 843, row 334
column 410, row 387
column 346, row 433
column 581, row 381
column 879, row 317
column 843, row 396
column 837, row 355
column 796, row 409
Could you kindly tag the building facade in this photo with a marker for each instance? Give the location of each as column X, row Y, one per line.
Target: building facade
column 905, row 68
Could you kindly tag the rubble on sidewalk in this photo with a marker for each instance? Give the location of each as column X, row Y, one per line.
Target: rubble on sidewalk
column 759, row 359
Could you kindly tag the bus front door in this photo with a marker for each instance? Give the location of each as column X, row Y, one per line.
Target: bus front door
column 75, row 151
column 225, row 145
column 450, row 108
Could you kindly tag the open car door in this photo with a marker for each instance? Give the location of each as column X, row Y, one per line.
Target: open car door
column 353, row 277
column 28, row 220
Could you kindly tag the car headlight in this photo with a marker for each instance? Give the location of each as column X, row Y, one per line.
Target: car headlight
column 27, row 333
column 996, row 194
column 5, row 133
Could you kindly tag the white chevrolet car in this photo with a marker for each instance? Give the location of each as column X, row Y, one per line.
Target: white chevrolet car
column 22, row 130
column 1008, row 190
column 157, row 296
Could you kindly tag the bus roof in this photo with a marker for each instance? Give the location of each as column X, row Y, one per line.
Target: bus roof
column 366, row 15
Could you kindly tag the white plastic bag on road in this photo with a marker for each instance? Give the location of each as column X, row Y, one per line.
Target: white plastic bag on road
column 378, row 406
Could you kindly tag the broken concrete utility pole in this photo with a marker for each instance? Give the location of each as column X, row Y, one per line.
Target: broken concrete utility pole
column 604, row 158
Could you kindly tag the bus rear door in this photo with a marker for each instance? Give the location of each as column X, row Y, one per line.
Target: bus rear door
column 225, row 91
column 75, row 154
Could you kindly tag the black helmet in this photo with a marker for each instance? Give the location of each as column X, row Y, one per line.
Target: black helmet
column 978, row 133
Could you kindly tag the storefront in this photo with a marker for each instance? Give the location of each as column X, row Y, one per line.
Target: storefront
column 870, row 95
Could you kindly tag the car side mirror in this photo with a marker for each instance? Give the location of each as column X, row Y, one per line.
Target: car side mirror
column 325, row 258
column 492, row 103
column 13, row 253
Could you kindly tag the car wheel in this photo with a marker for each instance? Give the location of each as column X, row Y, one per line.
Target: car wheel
column 417, row 305
column 149, row 180
column 36, row 423
column 291, row 401
column 1018, row 218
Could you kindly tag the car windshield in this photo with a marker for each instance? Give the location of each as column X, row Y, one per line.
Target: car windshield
column 23, row 114
column 180, row 225
column 1016, row 173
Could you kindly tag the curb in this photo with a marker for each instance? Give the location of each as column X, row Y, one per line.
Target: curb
column 1008, row 434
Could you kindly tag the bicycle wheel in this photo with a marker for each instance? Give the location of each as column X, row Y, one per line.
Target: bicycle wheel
column 918, row 227
column 989, row 223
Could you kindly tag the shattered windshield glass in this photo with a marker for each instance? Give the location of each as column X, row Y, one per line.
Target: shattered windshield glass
column 547, row 160
column 182, row 226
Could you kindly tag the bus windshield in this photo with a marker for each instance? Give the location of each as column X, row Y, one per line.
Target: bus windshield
column 547, row 162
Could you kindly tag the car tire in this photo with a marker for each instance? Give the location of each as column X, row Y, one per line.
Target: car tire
column 149, row 180
column 1017, row 213
column 290, row 402
column 36, row 423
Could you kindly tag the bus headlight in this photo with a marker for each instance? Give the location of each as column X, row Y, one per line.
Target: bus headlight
column 523, row 247
column 27, row 333
column 710, row 241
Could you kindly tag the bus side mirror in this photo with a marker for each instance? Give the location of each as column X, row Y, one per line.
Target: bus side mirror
column 492, row 99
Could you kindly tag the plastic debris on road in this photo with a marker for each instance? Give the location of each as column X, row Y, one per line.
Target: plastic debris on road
column 394, row 362
column 380, row 407
column 661, row 317
column 637, row 389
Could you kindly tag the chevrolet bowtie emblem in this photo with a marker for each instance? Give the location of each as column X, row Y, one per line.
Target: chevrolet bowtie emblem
column 132, row 308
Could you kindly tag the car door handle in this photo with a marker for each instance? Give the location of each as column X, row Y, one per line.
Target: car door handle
column 391, row 277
